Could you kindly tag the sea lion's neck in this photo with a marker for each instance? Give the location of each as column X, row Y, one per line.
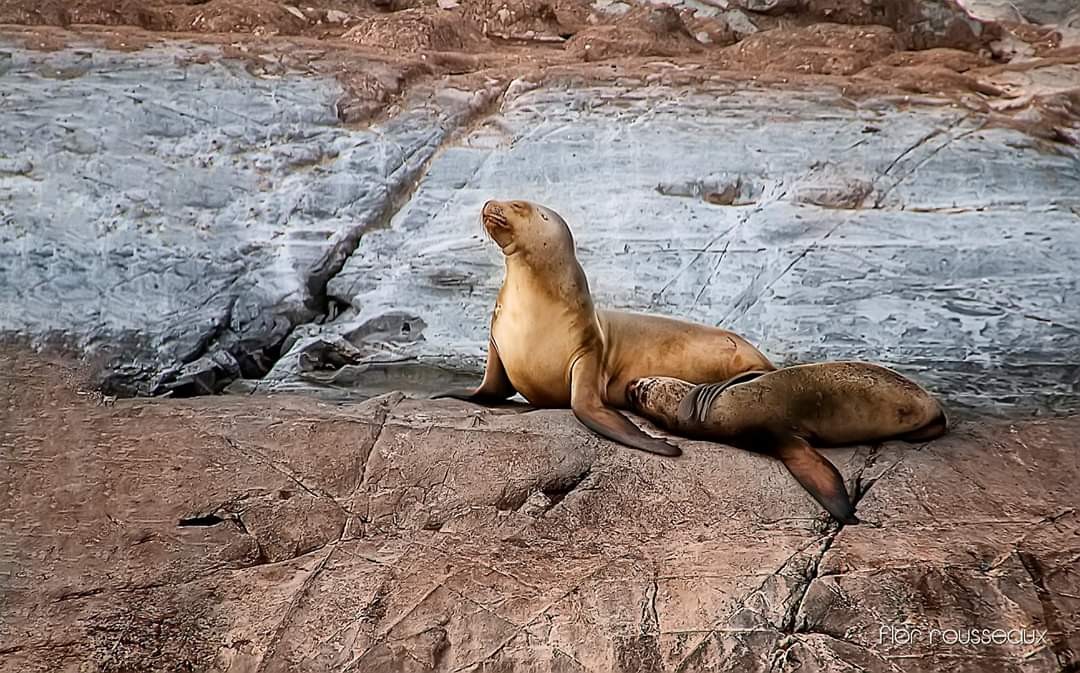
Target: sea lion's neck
column 558, row 277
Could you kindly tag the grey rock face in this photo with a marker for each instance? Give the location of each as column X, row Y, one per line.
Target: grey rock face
column 201, row 224
column 913, row 237
column 769, row 5
column 185, row 216
column 1034, row 11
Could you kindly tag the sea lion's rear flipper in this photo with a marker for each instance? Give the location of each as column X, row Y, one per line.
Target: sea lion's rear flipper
column 495, row 387
column 817, row 475
column 589, row 407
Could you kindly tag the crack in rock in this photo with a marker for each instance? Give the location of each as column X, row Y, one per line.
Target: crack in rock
column 1064, row 654
column 793, row 621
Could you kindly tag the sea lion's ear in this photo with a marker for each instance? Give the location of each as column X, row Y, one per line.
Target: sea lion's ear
column 816, row 474
column 690, row 410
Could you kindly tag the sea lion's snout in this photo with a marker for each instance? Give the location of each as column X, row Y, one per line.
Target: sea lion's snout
column 635, row 393
column 493, row 215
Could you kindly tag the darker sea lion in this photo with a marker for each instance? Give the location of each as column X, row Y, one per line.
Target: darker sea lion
column 787, row 412
column 551, row 345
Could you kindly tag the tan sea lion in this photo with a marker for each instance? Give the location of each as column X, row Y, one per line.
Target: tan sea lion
column 551, row 345
column 786, row 412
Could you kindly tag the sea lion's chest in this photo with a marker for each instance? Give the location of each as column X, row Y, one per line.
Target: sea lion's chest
column 535, row 342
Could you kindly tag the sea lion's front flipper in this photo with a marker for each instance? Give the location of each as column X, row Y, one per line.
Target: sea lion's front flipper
column 495, row 387
column 588, row 405
column 817, row 475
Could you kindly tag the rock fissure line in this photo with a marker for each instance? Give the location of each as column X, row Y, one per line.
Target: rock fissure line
column 506, row 641
column 263, row 458
column 384, row 635
column 201, row 349
column 286, row 619
column 197, row 577
column 831, row 636
column 791, row 625
column 650, row 619
column 1051, row 616
column 708, row 633
column 753, row 293
column 879, row 201
column 400, row 185
column 380, row 421
column 230, row 511
column 408, row 186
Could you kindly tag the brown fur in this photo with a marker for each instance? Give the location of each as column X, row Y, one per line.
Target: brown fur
column 549, row 343
column 788, row 411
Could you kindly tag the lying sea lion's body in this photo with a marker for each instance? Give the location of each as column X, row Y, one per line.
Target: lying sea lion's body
column 786, row 412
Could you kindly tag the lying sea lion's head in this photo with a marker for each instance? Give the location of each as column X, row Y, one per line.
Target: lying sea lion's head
column 523, row 226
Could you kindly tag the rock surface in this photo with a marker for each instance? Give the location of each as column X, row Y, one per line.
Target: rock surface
column 278, row 533
column 877, row 231
column 194, row 217
column 1033, row 11
column 281, row 214
column 206, row 224
column 183, row 213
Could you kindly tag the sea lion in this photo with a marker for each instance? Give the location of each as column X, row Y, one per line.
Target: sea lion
column 551, row 345
column 786, row 412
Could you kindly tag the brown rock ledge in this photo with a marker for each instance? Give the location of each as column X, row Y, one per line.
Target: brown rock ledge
column 284, row 534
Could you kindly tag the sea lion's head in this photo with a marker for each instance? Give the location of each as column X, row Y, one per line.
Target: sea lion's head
column 521, row 225
column 657, row 398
